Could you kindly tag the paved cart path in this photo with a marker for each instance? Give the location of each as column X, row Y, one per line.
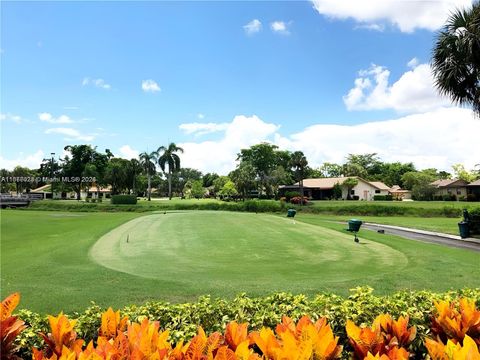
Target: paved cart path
column 426, row 236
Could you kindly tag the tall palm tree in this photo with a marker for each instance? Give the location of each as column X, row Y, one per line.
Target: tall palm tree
column 168, row 156
column 456, row 58
column 148, row 164
column 299, row 163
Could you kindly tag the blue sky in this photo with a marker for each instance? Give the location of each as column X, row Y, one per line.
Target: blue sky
column 72, row 73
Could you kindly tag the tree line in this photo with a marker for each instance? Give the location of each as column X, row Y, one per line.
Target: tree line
column 260, row 170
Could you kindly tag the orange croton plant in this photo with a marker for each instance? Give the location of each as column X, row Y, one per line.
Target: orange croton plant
column 10, row 327
column 386, row 338
column 120, row 339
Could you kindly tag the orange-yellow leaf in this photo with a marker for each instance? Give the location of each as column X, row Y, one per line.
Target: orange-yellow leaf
column 8, row 305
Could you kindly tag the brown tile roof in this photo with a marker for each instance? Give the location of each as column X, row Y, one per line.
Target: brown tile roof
column 94, row 189
column 475, row 183
column 448, row 183
column 44, row 188
column 379, row 185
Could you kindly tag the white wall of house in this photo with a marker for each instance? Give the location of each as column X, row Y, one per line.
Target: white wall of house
column 363, row 190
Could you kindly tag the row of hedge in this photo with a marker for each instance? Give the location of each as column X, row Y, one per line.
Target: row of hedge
column 370, row 209
column 362, row 307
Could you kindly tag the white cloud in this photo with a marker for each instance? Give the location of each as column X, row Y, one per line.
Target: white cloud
column 406, row 15
column 71, row 107
column 47, row 117
column 413, row 92
column 253, row 27
column 202, row 128
column 128, row 153
column 99, row 83
column 150, row 86
column 31, row 161
column 11, row 117
column 70, row 133
column 373, row 27
column 279, row 27
column 413, row 63
column 242, row 132
column 438, row 139
column 201, row 116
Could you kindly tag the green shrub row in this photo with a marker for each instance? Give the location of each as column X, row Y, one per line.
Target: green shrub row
column 382, row 197
column 243, row 206
column 362, row 306
column 124, row 199
column 366, row 209
column 384, row 210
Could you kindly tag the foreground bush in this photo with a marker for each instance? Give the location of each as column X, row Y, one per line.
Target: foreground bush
column 123, row 199
column 362, row 307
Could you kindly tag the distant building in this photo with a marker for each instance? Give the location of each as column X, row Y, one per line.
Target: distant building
column 450, row 187
column 399, row 193
column 45, row 192
column 474, row 189
column 322, row 189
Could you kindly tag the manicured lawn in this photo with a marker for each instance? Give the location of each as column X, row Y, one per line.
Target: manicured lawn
column 61, row 261
column 419, row 204
column 437, row 224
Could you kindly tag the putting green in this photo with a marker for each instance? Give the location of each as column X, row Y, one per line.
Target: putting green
column 241, row 251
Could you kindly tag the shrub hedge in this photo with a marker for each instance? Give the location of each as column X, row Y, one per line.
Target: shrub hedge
column 123, row 199
column 372, row 209
column 361, row 306
column 382, row 197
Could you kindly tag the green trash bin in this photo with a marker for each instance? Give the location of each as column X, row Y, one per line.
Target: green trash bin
column 354, row 225
column 464, row 229
column 291, row 213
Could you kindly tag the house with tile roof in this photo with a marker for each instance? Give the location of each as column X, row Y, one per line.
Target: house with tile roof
column 322, row 189
column 474, row 189
column 450, row 187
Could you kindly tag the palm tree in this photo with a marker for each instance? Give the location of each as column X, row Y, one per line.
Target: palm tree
column 456, row 58
column 148, row 164
column 299, row 163
column 168, row 156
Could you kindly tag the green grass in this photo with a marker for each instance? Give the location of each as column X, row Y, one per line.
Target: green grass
column 436, row 224
column 61, row 261
column 415, row 204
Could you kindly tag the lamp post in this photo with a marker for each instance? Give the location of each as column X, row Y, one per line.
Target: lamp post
column 51, row 174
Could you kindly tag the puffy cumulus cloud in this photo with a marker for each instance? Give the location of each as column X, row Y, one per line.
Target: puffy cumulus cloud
column 253, row 27
column 99, row 83
column 202, row 128
column 219, row 156
column 70, row 134
column 31, row 161
column 413, row 92
column 47, row 117
column 406, row 15
column 280, row 27
column 150, row 86
column 128, row 153
column 433, row 139
column 11, row 117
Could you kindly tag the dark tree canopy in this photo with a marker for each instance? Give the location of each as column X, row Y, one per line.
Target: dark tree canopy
column 456, row 58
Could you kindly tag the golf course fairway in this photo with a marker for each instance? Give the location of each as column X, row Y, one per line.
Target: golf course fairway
column 219, row 249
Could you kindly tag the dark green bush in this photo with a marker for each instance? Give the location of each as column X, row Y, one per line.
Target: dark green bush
column 123, row 199
column 382, row 197
column 471, row 197
column 291, row 194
